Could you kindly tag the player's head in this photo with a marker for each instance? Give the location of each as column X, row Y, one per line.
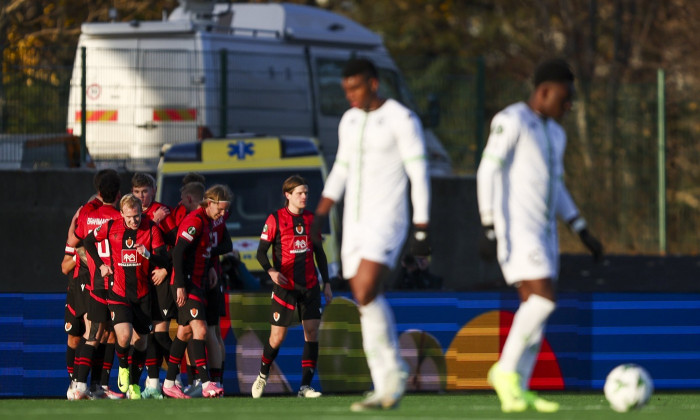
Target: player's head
column 360, row 83
column 216, row 201
column 191, row 194
column 296, row 192
column 130, row 207
column 554, row 88
column 108, row 186
column 143, row 186
column 98, row 176
column 193, row 177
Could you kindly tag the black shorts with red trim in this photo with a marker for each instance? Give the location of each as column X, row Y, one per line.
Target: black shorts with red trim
column 163, row 307
column 135, row 312
column 195, row 307
column 215, row 305
column 76, row 305
column 306, row 303
column 97, row 307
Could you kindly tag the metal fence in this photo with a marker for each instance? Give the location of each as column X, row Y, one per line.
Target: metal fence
column 612, row 157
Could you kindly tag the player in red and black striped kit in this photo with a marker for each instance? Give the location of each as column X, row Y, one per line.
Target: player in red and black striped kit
column 296, row 286
column 143, row 186
column 136, row 247
column 192, row 274
column 99, row 344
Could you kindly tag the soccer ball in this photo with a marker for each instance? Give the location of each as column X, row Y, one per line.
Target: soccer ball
column 628, row 387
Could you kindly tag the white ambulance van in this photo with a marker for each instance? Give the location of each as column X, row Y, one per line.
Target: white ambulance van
column 208, row 70
column 254, row 167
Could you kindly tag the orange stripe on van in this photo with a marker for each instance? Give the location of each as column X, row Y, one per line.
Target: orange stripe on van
column 100, row 115
column 174, row 114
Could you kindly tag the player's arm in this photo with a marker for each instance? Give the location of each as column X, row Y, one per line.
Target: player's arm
column 225, row 245
column 566, row 209
column 178, row 254
column 90, row 243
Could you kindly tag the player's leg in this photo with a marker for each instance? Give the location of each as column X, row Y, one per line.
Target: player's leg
column 185, row 314
column 379, row 338
column 123, row 331
column 537, row 303
column 213, row 346
column 310, row 311
column 282, row 310
column 97, row 317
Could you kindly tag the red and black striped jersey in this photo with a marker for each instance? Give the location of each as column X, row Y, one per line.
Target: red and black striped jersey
column 87, row 222
column 194, row 234
column 132, row 272
column 80, row 267
column 292, row 248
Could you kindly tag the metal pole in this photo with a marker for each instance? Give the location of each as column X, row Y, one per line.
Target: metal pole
column 662, row 159
column 83, row 105
column 480, row 113
column 223, row 114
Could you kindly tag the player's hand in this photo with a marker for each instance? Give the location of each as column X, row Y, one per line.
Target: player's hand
column 578, row 224
column 419, row 244
column 105, row 270
column 158, row 275
column 180, row 297
column 278, row 278
column 327, row 292
column 317, row 225
column 213, row 278
column 593, row 244
column 488, row 247
column 141, row 249
column 160, row 214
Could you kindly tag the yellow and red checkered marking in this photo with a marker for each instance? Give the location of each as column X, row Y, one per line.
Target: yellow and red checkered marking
column 101, row 115
column 174, row 114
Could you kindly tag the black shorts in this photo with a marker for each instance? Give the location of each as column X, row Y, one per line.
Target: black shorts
column 136, row 312
column 76, row 305
column 163, row 307
column 215, row 305
column 195, row 307
column 97, row 307
column 306, row 302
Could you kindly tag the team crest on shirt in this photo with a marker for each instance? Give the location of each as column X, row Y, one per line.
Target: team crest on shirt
column 194, row 312
column 129, row 243
column 68, row 326
column 299, row 229
column 276, row 316
column 263, row 235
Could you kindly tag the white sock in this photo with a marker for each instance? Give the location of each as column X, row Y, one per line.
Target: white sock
column 152, row 382
column 529, row 358
column 379, row 341
column 168, row 383
column 530, row 317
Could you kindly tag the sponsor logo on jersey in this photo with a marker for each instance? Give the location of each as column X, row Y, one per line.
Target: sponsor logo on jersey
column 300, row 244
column 194, row 312
column 165, row 312
column 129, row 258
column 129, row 243
column 68, row 326
column 276, row 316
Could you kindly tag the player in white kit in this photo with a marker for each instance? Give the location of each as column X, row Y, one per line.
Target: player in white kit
column 521, row 192
column 380, row 148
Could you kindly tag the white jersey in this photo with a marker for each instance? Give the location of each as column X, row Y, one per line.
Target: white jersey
column 378, row 152
column 520, row 191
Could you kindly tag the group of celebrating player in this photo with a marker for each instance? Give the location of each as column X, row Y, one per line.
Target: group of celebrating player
column 136, row 265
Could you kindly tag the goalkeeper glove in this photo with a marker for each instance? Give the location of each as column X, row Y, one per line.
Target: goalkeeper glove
column 579, row 226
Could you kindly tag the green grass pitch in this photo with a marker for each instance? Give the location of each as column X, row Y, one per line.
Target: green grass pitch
column 474, row 406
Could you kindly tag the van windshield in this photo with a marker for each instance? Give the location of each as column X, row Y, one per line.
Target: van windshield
column 256, row 195
column 332, row 98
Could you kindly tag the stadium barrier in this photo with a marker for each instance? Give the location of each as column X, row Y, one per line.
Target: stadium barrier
column 448, row 339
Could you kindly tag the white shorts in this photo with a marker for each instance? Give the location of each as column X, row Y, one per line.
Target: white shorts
column 364, row 242
column 527, row 256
